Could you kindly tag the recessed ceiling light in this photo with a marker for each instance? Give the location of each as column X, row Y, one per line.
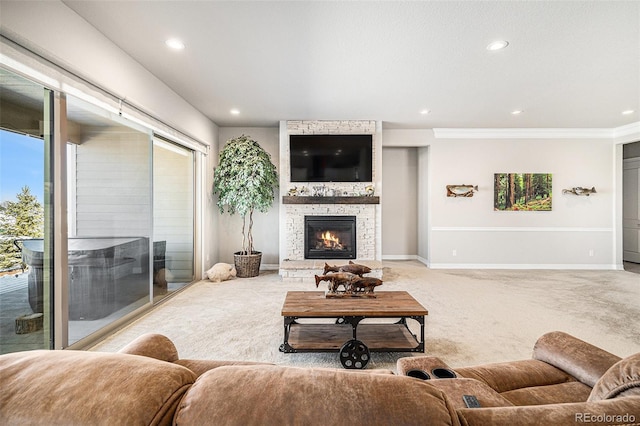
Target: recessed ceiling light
column 235, row 111
column 174, row 43
column 425, row 112
column 516, row 112
column 628, row 112
column 497, row 45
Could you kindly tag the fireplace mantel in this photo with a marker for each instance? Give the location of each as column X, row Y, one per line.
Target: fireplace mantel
column 362, row 199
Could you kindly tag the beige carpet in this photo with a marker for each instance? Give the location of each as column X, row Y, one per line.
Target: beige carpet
column 475, row 316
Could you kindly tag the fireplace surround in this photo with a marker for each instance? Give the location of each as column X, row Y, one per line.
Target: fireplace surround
column 297, row 201
column 330, row 237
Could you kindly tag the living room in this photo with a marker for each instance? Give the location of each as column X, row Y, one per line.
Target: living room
column 560, row 100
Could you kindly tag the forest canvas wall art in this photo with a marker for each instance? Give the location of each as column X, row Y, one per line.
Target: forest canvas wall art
column 522, row 191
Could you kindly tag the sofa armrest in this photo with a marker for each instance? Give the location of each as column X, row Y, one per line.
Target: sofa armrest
column 576, row 357
column 68, row 387
column 623, row 379
column 153, row 346
column 424, row 363
column 607, row 412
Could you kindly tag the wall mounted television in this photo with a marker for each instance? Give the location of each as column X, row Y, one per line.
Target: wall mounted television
column 331, row 158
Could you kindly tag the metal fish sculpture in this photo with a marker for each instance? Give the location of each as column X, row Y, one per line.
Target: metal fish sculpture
column 461, row 190
column 366, row 284
column 578, row 190
column 352, row 268
column 344, row 279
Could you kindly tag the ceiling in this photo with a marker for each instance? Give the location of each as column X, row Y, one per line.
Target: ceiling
column 572, row 64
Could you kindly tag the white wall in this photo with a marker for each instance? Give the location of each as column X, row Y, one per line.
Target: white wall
column 265, row 225
column 578, row 232
column 400, row 203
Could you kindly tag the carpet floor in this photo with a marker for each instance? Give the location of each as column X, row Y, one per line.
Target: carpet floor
column 475, row 316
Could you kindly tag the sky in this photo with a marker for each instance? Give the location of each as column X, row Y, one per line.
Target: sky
column 21, row 163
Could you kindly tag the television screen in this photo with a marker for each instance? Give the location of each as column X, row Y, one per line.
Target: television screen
column 331, row 158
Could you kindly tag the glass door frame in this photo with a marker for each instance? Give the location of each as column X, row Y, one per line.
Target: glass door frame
column 55, row 134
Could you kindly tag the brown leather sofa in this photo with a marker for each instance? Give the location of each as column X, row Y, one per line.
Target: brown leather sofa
column 567, row 382
column 148, row 384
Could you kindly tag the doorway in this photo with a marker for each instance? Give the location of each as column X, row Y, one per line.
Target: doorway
column 631, row 207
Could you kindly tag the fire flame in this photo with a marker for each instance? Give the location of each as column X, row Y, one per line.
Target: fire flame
column 329, row 239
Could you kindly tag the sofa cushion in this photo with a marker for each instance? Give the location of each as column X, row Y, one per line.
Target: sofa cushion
column 622, row 379
column 618, row 411
column 81, row 388
column 507, row 376
column 582, row 360
column 260, row 395
column 550, row 394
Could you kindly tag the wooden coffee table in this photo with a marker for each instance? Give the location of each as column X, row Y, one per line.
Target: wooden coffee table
column 346, row 335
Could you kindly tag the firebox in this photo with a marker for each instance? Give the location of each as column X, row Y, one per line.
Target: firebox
column 329, row 237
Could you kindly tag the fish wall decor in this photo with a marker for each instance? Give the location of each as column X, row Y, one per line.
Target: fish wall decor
column 461, row 190
column 578, row 190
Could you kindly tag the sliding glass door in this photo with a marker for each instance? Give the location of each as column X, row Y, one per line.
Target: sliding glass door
column 109, row 194
column 128, row 197
column 173, row 220
column 26, row 255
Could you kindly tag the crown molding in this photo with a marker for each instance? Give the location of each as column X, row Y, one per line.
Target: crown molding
column 627, row 133
column 530, row 133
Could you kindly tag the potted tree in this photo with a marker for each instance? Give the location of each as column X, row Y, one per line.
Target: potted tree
column 244, row 181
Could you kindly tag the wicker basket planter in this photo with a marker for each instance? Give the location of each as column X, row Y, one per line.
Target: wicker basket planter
column 247, row 265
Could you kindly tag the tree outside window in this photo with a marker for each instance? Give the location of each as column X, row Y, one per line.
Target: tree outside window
column 21, row 219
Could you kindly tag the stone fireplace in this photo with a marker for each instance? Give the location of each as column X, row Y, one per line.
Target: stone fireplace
column 342, row 199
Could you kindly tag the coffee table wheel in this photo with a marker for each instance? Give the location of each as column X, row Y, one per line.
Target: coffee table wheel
column 354, row 354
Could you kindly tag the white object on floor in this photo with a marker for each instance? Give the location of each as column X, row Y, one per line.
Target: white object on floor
column 221, row 272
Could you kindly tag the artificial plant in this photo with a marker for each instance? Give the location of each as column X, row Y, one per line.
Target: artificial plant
column 244, row 181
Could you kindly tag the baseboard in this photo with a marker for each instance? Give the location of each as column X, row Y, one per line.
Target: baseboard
column 406, row 257
column 269, row 267
column 604, row 267
column 601, row 267
column 399, row 257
